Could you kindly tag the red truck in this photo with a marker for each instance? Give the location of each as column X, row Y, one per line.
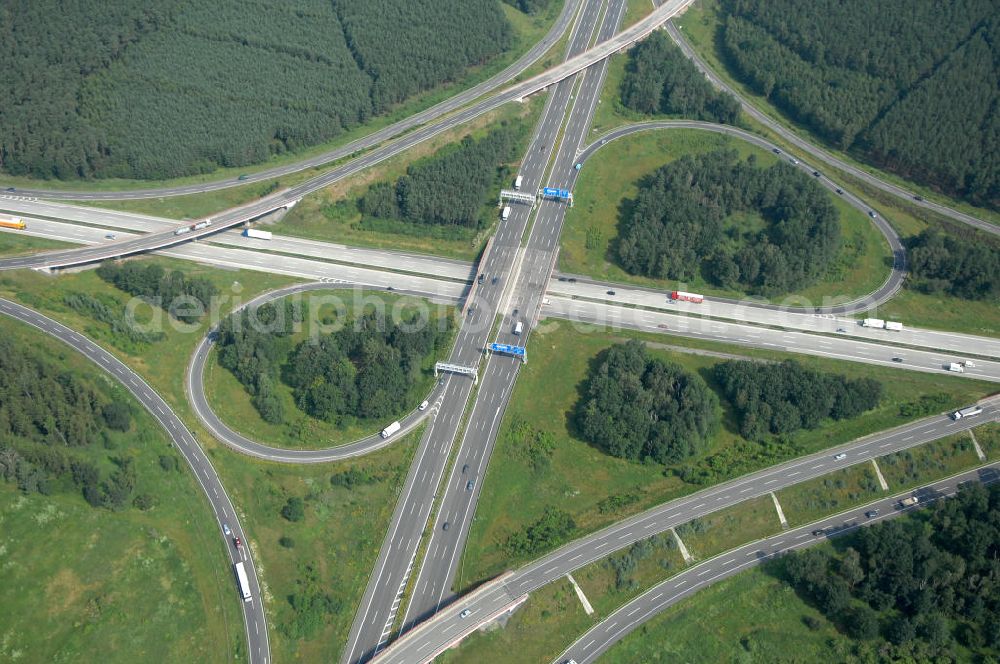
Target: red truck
column 687, row 297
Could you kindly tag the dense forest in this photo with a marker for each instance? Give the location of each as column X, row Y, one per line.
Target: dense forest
column 911, row 85
column 963, row 265
column 140, row 90
column 449, row 188
column 659, row 79
column 364, row 370
column 677, row 227
column 916, row 592
column 186, row 299
column 638, row 407
column 47, row 416
column 530, row 6
column 784, row 397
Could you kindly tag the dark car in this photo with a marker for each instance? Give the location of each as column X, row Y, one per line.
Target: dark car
column 446, row 526
column 818, row 532
column 572, row 280
column 469, row 485
column 481, row 278
column 465, row 468
column 897, row 359
column 611, row 292
column 243, row 177
column 776, row 151
column 10, row 189
column 562, row 278
column 816, row 174
column 918, row 198
column 494, row 279
column 839, row 190
column 871, row 514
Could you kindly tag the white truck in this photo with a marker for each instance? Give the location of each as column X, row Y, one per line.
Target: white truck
column 909, row 502
column 391, row 429
column 505, row 214
column 244, row 583
column 880, row 324
column 971, row 411
column 517, row 182
column 956, row 367
column 254, row 233
column 893, row 326
column 518, row 328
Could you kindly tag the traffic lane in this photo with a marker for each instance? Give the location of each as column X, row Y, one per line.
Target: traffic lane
column 635, row 613
column 818, row 153
column 436, row 572
column 370, row 140
column 749, row 312
column 840, row 347
column 434, row 575
column 184, row 441
column 34, row 212
column 706, row 501
column 594, row 547
column 293, row 266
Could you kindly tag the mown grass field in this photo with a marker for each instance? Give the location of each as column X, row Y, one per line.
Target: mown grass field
column 231, row 402
column 579, row 477
column 15, row 244
column 918, row 465
column 611, row 179
column 91, row 584
column 808, row 501
column 720, row 531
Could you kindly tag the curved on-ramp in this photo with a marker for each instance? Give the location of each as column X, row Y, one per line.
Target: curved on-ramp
column 254, row 618
column 897, row 274
column 195, row 385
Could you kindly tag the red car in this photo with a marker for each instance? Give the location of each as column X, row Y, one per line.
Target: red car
column 237, row 542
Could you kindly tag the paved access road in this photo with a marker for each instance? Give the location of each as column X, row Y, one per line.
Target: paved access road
column 596, row 641
column 366, row 142
column 819, row 154
column 184, row 441
column 290, row 196
column 449, row 624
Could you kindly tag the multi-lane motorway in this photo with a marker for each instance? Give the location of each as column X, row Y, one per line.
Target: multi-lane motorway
column 185, row 443
column 450, row 624
column 596, row 641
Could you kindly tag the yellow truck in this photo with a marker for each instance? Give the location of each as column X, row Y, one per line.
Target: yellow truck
column 13, row 222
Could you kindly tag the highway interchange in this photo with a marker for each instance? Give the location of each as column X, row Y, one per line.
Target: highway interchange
column 523, row 274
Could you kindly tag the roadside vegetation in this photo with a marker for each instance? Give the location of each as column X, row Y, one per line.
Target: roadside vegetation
column 327, row 368
column 239, row 105
column 633, row 223
column 15, row 244
column 543, row 467
column 437, row 198
column 863, row 88
column 85, row 469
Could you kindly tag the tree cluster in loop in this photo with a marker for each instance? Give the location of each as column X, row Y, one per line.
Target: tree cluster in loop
column 677, row 227
column 638, row 407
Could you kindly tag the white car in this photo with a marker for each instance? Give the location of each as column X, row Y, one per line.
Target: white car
column 423, row 406
column 841, row 456
column 464, row 614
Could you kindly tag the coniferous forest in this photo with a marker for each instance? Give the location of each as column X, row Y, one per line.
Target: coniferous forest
column 912, row 86
column 154, row 90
